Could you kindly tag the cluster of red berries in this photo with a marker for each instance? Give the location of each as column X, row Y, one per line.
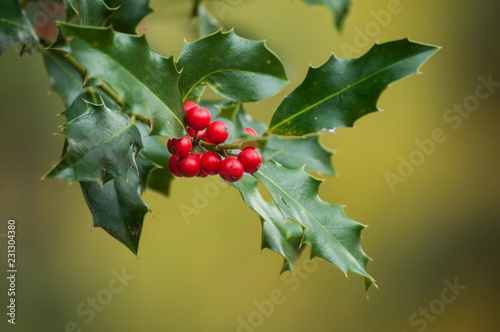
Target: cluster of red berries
column 190, row 158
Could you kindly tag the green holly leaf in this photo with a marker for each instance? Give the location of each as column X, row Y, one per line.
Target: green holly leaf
column 117, row 206
column 102, row 146
column 341, row 91
column 278, row 236
column 331, row 235
column 339, row 9
column 64, row 79
column 295, row 152
column 15, row 27
column 236, row 68
column 207, row 24
column 156, row 151
column 94, row 96
column 149, row 90
column 88, row 12
column 128, row 15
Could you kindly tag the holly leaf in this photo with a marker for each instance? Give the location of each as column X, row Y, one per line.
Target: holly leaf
column 15, row 27
column 117, row 206
column 295, row 152
column 128, row 15
column 341, row 91
column 148, row 90
column 156, row 151
column 236, row 68
column 207, row 24
column 94, row 95
column 331, row 235
column 339, row 9
column 102, row 145
column 64, row 79
column 278, row 236
column 88, row 12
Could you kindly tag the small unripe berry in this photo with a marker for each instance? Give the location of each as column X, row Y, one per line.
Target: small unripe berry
column 172, row 166
column 179, row 147
column 198, row 118
column 188, row 166
column 189, row 105
column 250, row 159
column 217, row 132
column 210, row 163
column 251, row 132
column 231, row 169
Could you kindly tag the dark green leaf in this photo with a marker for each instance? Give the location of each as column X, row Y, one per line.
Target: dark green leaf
column 64, row 79
column 339, row 9
column 14, row 27
column 294, row 152
column 87, row 12
column 341, row 91
column 94, row 95
column 149, row 89
column 128, row 15
column 157, row 152
column 331, row 235
column 117, row 207
column 102, row 146
column 236, row 68
column 283, row 238
column 207, row 24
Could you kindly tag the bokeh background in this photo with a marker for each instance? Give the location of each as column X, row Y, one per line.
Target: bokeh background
column 208, row 273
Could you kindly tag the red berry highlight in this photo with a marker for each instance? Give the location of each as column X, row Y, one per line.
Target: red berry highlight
column 250, row 159
column 198, row 118
column 210, row 163
column 188, row 166
column 172, row 166
column 179, row 147
column 231, row 169
column 217, row 132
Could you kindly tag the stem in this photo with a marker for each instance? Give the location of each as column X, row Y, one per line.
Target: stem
column 237, row 145
column 104, row 87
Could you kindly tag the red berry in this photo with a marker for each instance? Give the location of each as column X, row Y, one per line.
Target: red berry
column 172, row 166
column 179, row 147
column 189, row 105
column 251, row 132
column 250, row 159
column 201, row 173
column 231, row 169
column 217, row 132
column 210, row 163
column 198, row 118
column 188, row 166
column 191, row 132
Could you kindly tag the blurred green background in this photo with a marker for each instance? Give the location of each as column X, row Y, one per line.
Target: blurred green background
column 439, row 226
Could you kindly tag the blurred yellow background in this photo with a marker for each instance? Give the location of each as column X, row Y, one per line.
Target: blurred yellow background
column 433, row 235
